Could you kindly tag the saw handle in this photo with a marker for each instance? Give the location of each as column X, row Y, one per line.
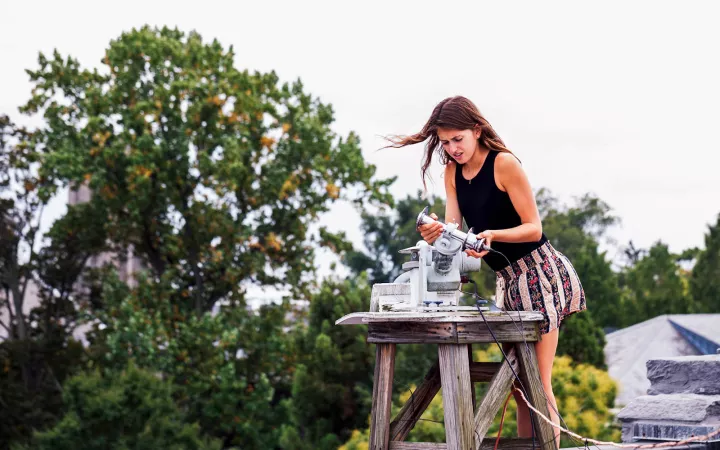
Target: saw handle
column 468, row 240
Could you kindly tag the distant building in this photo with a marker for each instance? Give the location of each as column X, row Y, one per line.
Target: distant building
column 628, row 350
column 126, row 264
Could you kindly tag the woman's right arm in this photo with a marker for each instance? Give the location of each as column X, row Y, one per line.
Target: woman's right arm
column 452, row 210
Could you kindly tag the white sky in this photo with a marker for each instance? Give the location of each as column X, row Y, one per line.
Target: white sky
column 621, row 99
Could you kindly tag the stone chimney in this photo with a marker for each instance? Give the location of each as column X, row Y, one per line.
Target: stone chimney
column 683, row 401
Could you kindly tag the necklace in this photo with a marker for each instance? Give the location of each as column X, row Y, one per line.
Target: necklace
column 476, row 173
column 470, row 180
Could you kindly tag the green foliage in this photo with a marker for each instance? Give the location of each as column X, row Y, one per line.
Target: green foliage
column 38, row 352
column 705, row 280
column 131, row 409
column 332, row 383
column 213, row 177
column 656, row 285
column 209, row 173
column 31, row 373
column 575, row 231
column 585, row 395
column 20, row 214
column 582, row 340
column 227, row 368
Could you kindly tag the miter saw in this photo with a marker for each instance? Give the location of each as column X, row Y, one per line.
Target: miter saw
column 431, row 279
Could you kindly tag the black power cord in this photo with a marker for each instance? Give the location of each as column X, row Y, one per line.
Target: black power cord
column 478, row 301
column 527, row 346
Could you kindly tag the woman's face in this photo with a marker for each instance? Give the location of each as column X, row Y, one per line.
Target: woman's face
column 459, row 144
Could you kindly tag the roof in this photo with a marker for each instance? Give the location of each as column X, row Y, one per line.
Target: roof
column 628, row 350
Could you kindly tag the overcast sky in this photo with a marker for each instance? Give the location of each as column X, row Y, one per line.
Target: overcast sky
column 620, row 99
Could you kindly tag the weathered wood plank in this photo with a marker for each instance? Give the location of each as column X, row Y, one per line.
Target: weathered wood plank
column 416, row 405
column 447, row 316
column 412, row 333
column 457, row 403
column 504, row 332
column 488, row 444
column 394, row 445
column 450, row 332
column 382, row 396
column 495, row 396
column 482, row 372
column 472, row 385
column 508, row 444
column 530, row 376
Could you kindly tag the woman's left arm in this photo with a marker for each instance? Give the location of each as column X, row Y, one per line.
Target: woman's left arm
column 511, row 178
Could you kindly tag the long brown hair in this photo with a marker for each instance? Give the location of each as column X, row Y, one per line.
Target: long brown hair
column 456, row 113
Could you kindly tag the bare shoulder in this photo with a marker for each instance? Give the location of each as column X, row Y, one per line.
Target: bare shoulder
column 507, row 170
column 450, row 167
column 507, row 162
column 449, row 175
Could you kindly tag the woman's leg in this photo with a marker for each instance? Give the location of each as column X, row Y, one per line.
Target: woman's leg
column 545, row 350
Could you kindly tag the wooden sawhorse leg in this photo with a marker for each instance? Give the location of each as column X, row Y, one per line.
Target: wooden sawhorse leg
column 382, row 397
column 530, row 376
column 523, row 361
column 457, row 396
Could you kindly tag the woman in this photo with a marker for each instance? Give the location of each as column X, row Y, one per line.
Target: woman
column 486, row 185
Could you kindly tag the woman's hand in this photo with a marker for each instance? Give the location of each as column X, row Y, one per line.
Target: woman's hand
column 488, row 236
column 430, row 232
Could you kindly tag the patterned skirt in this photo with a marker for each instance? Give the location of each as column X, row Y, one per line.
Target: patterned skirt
column 543, row 281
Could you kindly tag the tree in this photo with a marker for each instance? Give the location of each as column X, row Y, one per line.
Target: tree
column 332, row 382
column 582, row 340
column 40, row 277
column 210, row 174
column 213, row 177
column 705, row 279
column 575, row 231
column 130, row 409
column 656, row 285
column 20, row 213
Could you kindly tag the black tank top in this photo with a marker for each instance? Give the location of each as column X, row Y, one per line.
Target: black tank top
column 485, row 207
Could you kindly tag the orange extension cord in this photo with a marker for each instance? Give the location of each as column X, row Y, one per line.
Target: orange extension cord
column 502, row 419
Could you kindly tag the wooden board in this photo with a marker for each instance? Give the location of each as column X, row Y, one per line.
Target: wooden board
column 382, row 396
column 482, row 372
column 488, row 444
column 457, row 396
column 450, row 332
column 412, row 332
column 504, row 332
column 472, row 383
column 363, row 318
